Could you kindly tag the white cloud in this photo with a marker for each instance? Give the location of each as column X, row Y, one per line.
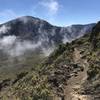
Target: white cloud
column 12, row 46
column 51, row 5
column 21, row 47
column 4, row 29
column 7, row 41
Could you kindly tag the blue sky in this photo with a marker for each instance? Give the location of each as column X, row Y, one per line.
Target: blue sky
column 57, row 12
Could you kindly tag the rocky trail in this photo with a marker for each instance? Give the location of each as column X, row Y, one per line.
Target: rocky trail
column 75, row 82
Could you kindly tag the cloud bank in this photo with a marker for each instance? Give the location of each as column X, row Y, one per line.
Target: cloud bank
column 13, row 46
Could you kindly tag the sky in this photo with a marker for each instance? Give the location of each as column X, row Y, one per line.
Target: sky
column 56, row 12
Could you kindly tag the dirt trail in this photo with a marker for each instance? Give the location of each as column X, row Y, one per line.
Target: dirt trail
column 74, row 84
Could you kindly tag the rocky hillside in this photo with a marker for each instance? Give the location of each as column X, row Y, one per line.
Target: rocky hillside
column 71, row 72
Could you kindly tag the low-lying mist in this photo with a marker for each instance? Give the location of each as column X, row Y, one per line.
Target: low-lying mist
column 13, row 46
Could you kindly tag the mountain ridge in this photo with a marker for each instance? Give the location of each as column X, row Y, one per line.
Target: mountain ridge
column 32, row 17
column 40, row 32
